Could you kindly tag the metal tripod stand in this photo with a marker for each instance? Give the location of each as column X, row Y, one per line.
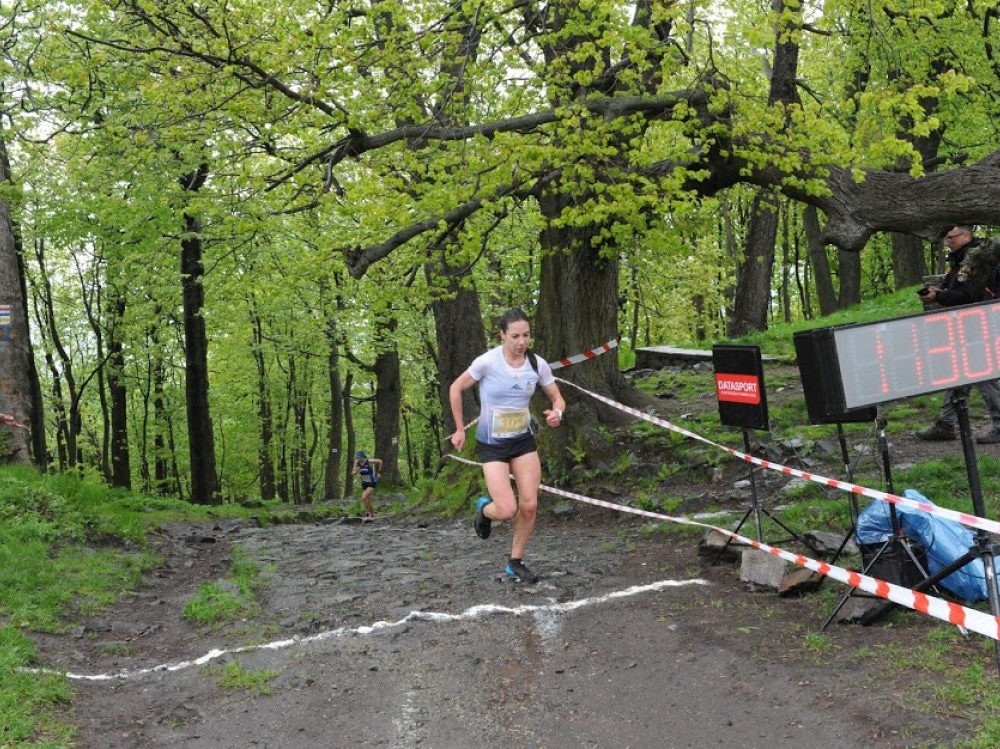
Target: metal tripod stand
column 983, row 548
column 852, row 498
column 756, row 508
column 897, row 543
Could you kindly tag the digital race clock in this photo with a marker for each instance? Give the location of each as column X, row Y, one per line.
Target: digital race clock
column 854, row 366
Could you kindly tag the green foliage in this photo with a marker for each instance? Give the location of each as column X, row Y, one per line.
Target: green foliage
column 449, row 493
column 300, row 133
column 220, row 603
column 626, row 357
column 44, row 565
column 216, row 604
column 656, row 502
column 233, row 675
column 30, row 704
column 34, row 512
column 778, row 340
column 70, row 547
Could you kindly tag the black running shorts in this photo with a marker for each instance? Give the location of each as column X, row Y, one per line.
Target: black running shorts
column 506, row 451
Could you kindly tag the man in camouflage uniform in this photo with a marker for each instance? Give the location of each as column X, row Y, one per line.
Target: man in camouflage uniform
column 973, row 276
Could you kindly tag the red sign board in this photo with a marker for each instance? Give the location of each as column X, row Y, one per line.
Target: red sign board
column 737, row 388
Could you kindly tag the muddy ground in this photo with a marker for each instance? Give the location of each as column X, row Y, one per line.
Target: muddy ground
column 387, row 634
column 402, row 633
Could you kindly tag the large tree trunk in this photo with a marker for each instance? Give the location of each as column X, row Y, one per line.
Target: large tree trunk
column 16, row 389
column 121, row 467
column 333, row 487
column 753, row 282
column 908, row 267
column 201, row 438
column 753, row 276
column 850, row 278
column 577, row 310
column 388, row 399
column 820, row 262
column 458, row 326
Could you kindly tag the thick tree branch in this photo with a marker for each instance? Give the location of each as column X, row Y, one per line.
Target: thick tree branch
column 359, row 260
column 356, row 142
column 881, row 201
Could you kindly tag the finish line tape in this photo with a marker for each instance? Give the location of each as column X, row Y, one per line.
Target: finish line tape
column 953, row 613
column 471, row 613
column 973, row 521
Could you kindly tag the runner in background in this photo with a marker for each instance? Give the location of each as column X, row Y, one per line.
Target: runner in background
column 368, row 469
column 507, row 376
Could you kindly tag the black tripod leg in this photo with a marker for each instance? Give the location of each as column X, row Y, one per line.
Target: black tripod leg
column 852, row 506
column 840, row 549
column 850, row 593
column 730, row 539
column 960, row 398
column 794, row 536
column 754, row 504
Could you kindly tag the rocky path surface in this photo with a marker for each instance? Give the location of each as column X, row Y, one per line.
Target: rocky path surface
column 403, row 634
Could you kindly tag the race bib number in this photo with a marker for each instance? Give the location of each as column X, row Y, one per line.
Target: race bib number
column 512, row 423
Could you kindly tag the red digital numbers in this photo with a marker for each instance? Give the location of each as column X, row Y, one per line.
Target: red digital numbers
column 918, row 361
column 974, row 320
column 918, row 354
column 945, row 351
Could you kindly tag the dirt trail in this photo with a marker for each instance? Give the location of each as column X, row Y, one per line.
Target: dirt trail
column 385, row 634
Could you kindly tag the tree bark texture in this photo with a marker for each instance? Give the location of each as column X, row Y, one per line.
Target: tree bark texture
column 333, row 487
column 121, row 467
column 388, row 400
column 16, row 388
column 908, row 267
column 849, row 273
column 753, row 278
column 349, row 431
column 819, row 261
column 458, row 326
column 39, row 449
column 265, row 458
column 201, row 438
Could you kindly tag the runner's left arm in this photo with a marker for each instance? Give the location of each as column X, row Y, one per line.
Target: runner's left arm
column 554, row 415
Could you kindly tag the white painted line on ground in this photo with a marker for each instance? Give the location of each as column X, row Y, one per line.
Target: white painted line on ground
column 474, row 612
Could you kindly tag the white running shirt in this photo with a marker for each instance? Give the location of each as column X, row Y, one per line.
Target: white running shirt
column 504, row 394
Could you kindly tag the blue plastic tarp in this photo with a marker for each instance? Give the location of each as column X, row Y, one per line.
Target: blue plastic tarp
column 944, row 541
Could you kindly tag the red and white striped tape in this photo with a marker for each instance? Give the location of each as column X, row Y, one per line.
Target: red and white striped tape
column 591, row 354
column 953, row 613
column 973, row 521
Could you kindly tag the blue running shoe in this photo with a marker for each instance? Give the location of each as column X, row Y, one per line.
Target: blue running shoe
column 482, row 524
column 516, row 569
